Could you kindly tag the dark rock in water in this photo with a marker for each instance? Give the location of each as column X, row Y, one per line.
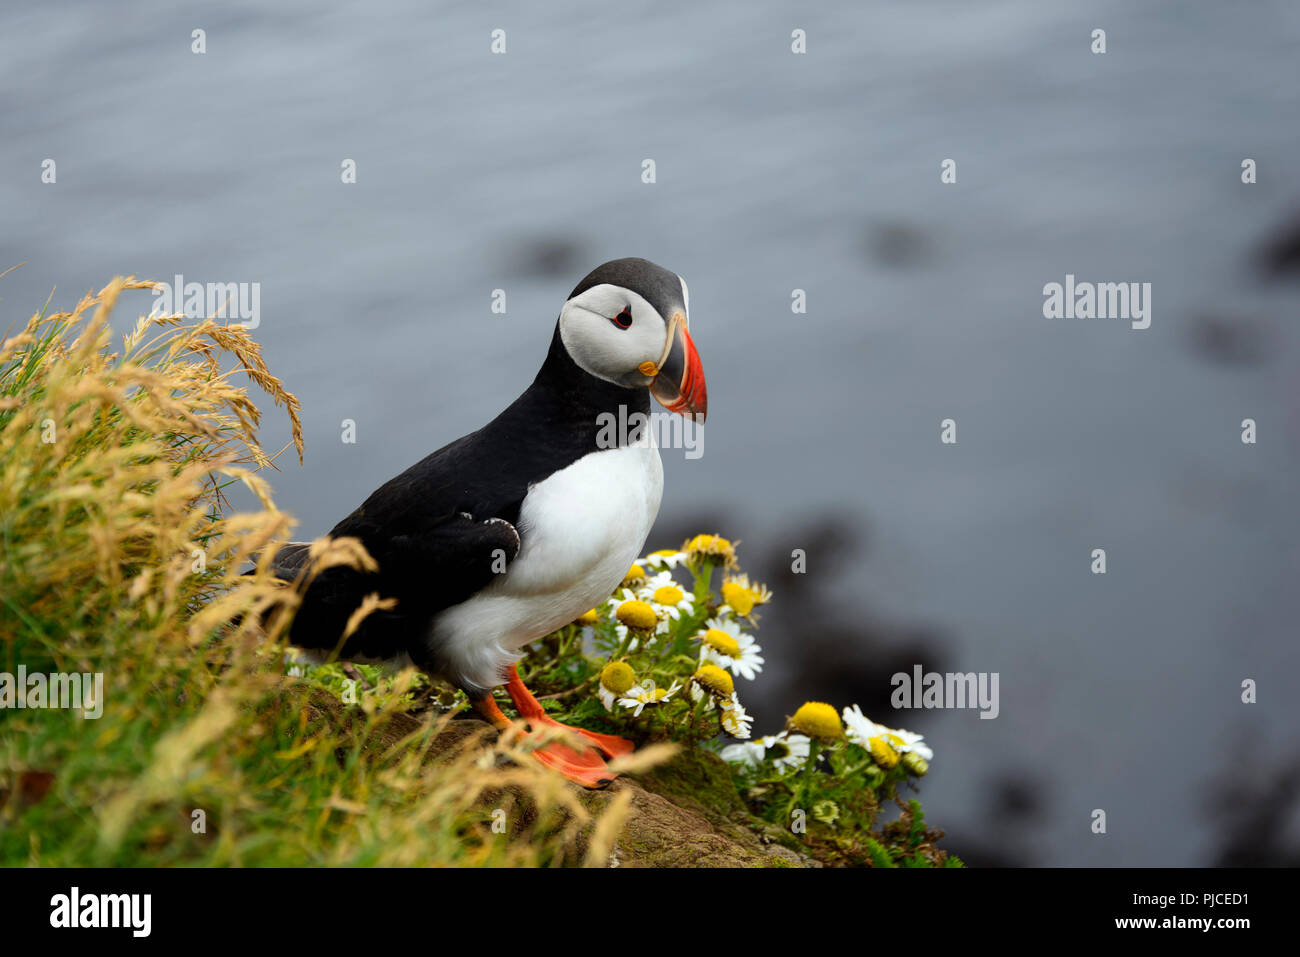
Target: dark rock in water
column 1232, row 340
column 1016, row 796
column 1014, row 806
column 899, row 244
column 1279, row 256
column 549, row 258
column 856, row 664
column 1252, row 806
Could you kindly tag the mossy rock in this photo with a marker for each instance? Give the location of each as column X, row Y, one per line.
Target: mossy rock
column 687, row 813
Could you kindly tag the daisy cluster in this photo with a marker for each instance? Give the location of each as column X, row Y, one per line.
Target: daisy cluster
column 668, row 654
column 838, row 768
column 674, row 649
column 857, row 737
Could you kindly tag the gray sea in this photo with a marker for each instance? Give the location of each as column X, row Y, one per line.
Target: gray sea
column 778, row 171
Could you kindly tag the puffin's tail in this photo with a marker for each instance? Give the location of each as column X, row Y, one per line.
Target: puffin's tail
column 328, row 603
column 288, row 561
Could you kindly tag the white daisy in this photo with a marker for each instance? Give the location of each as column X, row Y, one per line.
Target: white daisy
column 646, row 693
column 620, row 596
column 711, row 684
column 859, row 728
column 740, row 596
column 885, row 744
column 641, row 616
column 745, row 752
column 637, row 697
column 736, row 721
column 664, row 594
column 787, row 751
column 722, row 643
column 616, row 678
column 912, row 742
column 697, row 693
column 666, row 558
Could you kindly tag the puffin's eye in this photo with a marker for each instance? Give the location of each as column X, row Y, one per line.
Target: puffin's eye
column 624, row 319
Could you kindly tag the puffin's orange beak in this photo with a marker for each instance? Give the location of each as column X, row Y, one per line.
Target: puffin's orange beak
column 678, row 381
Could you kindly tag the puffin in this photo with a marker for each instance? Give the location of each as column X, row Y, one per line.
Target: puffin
column 510, row 532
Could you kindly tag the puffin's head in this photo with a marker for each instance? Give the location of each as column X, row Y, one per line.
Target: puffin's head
column 627, row 323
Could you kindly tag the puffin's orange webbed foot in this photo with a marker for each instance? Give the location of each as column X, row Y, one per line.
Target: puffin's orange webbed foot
column 585, row 766
column 611, row 745
column 531, row 710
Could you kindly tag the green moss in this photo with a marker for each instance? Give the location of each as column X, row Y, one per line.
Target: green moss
column 698, row 779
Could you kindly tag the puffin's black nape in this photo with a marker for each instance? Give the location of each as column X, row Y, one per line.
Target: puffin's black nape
column 660, row 287
column 580, row 391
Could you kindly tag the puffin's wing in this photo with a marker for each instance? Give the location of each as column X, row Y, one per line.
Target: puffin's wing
column 457, row 545
column 425, row 568
column 448, row 561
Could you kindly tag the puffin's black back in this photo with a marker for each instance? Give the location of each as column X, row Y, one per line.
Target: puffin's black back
column 430, row 555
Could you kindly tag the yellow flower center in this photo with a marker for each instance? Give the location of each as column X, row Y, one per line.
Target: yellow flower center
column 740, row 598
column 711, row 546
column 882, row 752
column 715, row 681
column 817, row 720
column 636, row 614
column 634, row 574
column 722, row 642
column 668, row 595
column 589, row 617
column 618, row 677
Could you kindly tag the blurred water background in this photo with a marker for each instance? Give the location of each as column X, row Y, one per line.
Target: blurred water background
column 778, row 171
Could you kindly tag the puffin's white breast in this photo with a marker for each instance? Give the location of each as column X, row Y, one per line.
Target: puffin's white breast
column 580, row 529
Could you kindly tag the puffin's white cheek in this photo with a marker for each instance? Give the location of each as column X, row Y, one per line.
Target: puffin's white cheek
column 613, row 355
column 639, row 345
column 601, row 347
